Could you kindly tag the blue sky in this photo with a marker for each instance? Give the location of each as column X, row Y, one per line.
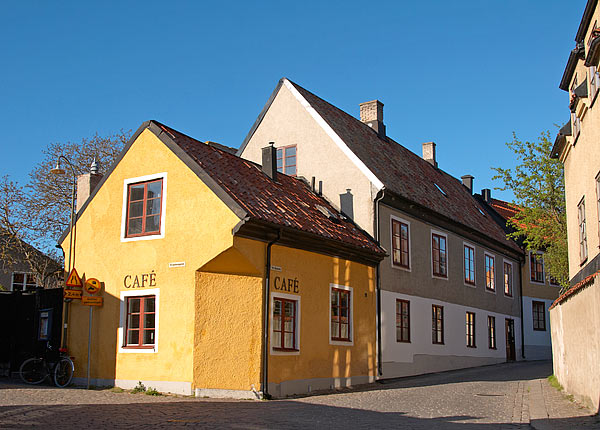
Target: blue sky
column 465, row 74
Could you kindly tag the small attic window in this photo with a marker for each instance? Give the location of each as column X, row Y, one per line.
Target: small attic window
column 481, row 212
column 326, row 212
column 440, row 189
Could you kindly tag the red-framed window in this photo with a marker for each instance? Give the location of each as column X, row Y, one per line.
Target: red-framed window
column 140, row 331
column 469, row 265
column 144, row 204
column 508, row 279
column 539, row 315
column 438, row 254
column 284, row 324
column 340, row 315
column 402, row 320
column 491, row 332
column 490, row 272
column 286, row 160
column 470, row 327
column 536, row 267
column 437, row 324
column 400, row 244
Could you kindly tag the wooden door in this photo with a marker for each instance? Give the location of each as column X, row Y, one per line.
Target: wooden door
column 510, row 339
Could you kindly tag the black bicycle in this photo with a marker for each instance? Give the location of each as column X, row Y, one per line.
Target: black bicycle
column 35, row 370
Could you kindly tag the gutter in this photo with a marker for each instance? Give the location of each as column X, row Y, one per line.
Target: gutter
column 265, row 360
column 378, row 199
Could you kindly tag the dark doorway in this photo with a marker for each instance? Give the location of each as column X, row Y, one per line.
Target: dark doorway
column 510, row 340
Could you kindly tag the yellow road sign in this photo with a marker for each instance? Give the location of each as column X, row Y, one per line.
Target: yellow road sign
column 72, row 294
column 92, row 301
column 73, row 280
column 92, row 285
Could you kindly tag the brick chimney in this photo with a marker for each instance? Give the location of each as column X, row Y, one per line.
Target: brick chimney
column 486, row 193
column 429, row 153
column 86, row 184
column 371, row 113
column 269, row 161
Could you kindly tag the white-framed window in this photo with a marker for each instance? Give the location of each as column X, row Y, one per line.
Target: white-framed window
column 400, row 243
column 144, row 207
column 508, row 278
column 23, row 281
column 439, row 255
column 583, row 251
column 490, row 272
column 285, row 324
column 138, row 323
column 341, row 303
column 469, row 264
column 576, row 125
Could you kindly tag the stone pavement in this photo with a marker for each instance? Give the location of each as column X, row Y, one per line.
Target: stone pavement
column 506, row 396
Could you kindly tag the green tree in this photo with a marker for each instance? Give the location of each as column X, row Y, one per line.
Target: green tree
column 538, row 185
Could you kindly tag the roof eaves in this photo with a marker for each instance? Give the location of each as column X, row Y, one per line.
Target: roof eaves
column 570, row 67
column 585, row 20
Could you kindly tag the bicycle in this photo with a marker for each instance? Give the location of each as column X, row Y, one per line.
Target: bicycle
column 35, row 370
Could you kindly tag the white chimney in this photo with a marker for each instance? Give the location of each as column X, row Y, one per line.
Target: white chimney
column 429, row 153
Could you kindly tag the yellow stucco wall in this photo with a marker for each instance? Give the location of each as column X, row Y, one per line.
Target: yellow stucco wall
column 197, row 228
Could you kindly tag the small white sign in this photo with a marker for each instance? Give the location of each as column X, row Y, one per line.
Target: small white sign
column 276, row 268
column 177, row 264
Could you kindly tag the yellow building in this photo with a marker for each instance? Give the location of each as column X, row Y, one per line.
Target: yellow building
column 221, row 277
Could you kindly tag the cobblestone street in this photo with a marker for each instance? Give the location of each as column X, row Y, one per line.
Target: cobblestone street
column 507, row 396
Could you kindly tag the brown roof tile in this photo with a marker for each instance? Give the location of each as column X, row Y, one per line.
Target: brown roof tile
column 287, row 202
column 407, row 174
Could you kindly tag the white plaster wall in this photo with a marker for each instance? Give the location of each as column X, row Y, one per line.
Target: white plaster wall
column 535, row 337
column 454, row 331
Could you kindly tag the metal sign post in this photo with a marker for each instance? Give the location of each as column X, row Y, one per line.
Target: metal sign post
column 92, row 286
column 89, row 348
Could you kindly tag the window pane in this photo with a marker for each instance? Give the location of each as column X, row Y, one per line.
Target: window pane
column 148, row 337
column 133, row 337
column 288, row 340
column 154, row 189
column 134, row 305
column 279, row 164
column 288, row 325
column 134, row 321
column 136, row 192
column 290, row 170
column 334, row 298
column 289, row 309
column 335, row 328
column 344, row 297
column 135, row 226
column 153, row 223
column 31, row 280
column 136, row 209
column 149, row 304
column 276, row 340
column 277, row 323
column 153, row 207
column 148, row 320
column 18, row 278
column 345, row 334
column 289, row 151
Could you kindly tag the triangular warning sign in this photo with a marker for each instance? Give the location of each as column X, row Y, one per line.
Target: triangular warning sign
column 73, row 280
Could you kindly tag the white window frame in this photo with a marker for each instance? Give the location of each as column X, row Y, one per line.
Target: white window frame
column 491, row 291
column 26, row 274
column 296, row 298
column 576, row 126
column 543, row 268
column 392, row 219
column 163, row 209
column 470, row 245
column 123, row 321
column 445, row 235
column 512, row 275
column 594, row 81
column 351, row 316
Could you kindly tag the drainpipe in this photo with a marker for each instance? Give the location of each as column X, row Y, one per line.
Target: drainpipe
column 378, row 284
column 522, row 324
column 265, row 360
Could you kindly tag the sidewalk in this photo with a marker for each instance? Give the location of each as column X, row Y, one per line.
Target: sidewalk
column 546, row 408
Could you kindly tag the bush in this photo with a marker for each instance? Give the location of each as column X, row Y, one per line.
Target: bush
column 152, row 392
column 139, row 388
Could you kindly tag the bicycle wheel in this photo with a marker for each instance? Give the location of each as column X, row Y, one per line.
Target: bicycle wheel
column 33, row 371
column 63, row 372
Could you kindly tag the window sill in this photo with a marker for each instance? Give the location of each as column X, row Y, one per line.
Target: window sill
column 437, row 343
column 469, row 284
column 400, row 267
column 437, row 276
column 133, row 347
column 286, row 350
column 539, row 329
column 490, row 290
column 492, row 347
column 583, row 262
column 472, row 346
column 402, row 341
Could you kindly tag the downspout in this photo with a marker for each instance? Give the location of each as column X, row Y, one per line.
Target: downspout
column 265, row 360
column 378, row 284
column 522, row 324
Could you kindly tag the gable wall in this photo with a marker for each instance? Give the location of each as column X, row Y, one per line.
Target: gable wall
column 288, row 123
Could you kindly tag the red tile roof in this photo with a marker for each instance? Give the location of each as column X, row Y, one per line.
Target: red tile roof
column 575, row 289
column 287, row 202
column 505, row 209
column 407, row 174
